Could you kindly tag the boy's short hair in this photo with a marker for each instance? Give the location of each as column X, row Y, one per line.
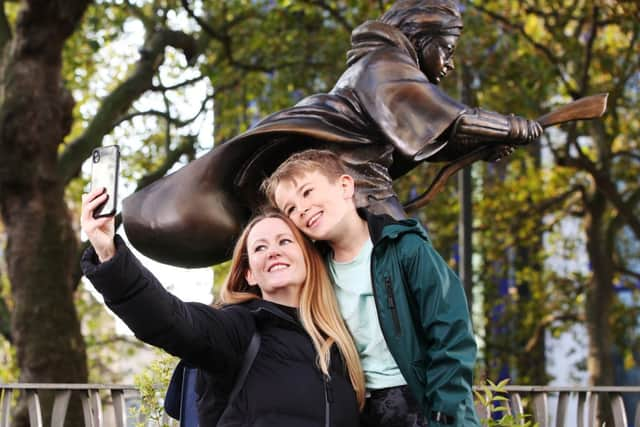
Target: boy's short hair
column 324, row 161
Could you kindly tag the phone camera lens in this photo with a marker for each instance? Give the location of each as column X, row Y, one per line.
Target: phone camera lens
column 96, row 157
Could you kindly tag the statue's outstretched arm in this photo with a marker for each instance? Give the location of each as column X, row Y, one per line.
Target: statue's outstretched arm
column 477, row 127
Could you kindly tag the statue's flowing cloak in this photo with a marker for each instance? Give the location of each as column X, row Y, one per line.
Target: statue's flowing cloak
column 382, row 117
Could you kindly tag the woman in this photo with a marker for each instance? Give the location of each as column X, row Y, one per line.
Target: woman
column 307, row 371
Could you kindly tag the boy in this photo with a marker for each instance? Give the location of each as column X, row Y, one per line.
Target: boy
column 405, row 308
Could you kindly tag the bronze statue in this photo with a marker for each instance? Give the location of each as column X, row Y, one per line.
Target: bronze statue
column 384, row 116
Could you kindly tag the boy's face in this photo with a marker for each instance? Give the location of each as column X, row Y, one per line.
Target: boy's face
column 317, row 205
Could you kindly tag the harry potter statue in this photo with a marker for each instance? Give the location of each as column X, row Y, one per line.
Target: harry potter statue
column 384, row 116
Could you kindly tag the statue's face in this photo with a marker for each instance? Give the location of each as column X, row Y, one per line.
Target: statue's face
column 437, row 57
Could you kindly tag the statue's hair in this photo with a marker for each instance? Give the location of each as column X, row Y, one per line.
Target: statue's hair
column 324, row 161
column 319, row 312
column 424, row 18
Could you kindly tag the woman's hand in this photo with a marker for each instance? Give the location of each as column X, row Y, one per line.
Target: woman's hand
column 100, row 231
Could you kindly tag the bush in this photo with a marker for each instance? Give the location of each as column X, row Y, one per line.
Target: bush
column 152, row 384
column 494, row 398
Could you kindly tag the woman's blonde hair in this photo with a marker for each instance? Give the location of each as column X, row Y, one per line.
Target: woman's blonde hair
column 318, row 307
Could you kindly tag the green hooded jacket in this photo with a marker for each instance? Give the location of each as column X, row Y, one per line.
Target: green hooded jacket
column 424, row 317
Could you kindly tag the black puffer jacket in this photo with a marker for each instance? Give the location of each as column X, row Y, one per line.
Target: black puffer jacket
column 283, row 388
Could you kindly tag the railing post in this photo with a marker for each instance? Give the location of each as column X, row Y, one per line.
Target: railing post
column 563, row 399
column 617, row 408
column 60, row 405
column 516, row 404
column 541, row 408
column 85, row 397
column 482, row 410
column 5, row 398
column 35, row 414
column 593, row 399
column 117, row 396
column 582, row 398
column 96, row 407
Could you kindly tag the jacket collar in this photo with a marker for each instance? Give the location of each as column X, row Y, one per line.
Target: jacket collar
column 262, row 309
column 381, row 226
column 384, row 226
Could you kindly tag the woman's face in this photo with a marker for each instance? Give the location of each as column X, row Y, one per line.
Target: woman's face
column 437, row 57
column 276, row 261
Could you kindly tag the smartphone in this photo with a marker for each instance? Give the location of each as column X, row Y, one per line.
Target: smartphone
column 104, row 174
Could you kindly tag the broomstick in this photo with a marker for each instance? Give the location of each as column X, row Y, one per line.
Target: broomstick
column 589, row 107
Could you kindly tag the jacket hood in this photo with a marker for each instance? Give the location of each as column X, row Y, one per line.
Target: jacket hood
column 375, row 35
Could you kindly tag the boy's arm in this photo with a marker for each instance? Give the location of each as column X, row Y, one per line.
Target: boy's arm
column 444, row 319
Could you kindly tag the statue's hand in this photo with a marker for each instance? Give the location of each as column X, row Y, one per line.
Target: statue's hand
column 523, row 131
column 500, row 152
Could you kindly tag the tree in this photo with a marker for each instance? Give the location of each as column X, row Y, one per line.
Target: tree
column 35, row 115
column 552, row 52
column 50, row 49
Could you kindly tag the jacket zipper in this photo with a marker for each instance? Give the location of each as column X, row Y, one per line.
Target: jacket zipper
column 392, row 304
column 328, row 399
column 328, row 392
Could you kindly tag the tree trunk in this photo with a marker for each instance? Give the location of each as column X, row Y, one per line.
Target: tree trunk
column 531, row 364
column 599, row 298
column 35, row 116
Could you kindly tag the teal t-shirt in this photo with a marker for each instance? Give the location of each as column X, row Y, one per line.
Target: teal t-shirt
column 354, row 291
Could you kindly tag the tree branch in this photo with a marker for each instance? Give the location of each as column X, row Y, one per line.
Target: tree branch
column 167, row 128
column 121, row 99
column 203, row 24
column 618, row 221
column 609, row 189
column 625, row 153
column 186, row 147
column 630, row 62
column 222, row 36
column 545, row 50
column 544, row 323
column 543, row 206
column 628, row 272
column 117, row 339
column 5, row 321
column 5, row 28
column 584, row 81
column 165, row 115
column 582, row 157
column 335, row 13
column 136, row 11
column 160, row 88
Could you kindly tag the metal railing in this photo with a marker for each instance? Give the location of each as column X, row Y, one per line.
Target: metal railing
column 574, row 406
column 92, row 404
column 547, row 406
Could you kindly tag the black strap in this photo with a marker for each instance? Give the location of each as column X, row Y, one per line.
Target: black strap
column 247, row 361
column 173, row 396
